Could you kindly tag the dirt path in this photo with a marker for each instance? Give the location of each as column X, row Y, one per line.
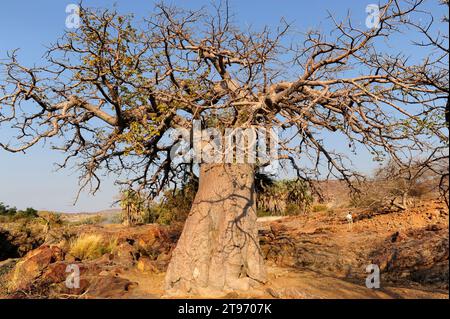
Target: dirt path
column 288, row 283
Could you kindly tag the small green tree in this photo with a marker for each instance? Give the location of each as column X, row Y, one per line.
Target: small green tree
column 6, row 210
column 3, row 209
column 133, row 208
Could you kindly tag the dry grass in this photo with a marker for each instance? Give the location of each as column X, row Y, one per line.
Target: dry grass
column 91, row 246
column 319, row 208
column 91, row 220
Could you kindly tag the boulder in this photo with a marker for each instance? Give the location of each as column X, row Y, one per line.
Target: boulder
column 33, row 265
column 55, row 272
column 145, row 264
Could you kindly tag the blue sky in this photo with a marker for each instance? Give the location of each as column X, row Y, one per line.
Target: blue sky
column 30, row 179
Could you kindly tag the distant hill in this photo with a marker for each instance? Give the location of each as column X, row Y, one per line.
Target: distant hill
column 107, row 215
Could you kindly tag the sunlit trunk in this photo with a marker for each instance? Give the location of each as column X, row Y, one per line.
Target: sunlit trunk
column 218, row 249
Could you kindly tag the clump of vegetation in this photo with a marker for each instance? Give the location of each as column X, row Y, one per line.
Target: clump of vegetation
column 134, row 207
column 174, row 206
column 396, row 186
column 93, row 220
column 13, row 214
column 51, row 219
column 91, row 246
column 319, row 208
column 286, row 197
column 115, row 218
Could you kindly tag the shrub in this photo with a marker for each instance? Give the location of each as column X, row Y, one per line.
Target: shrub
column 176, row 204
column 91, row 246
column 288, row 197
column 134, row 207
column 395, row 185
column 29, row 213
column 262, row 213
column 319, row 208
column 161, row 214
column 6, row 210
column 116, row 218
column 93, row 220
column 11, row 214
column 53, row 219
column 3, row 209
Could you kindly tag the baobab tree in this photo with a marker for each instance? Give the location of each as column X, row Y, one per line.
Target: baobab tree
column 111, row 93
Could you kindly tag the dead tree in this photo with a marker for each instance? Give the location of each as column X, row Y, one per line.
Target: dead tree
column 398, row 184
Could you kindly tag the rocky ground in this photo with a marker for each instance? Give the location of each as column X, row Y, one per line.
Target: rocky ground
column 317, row 255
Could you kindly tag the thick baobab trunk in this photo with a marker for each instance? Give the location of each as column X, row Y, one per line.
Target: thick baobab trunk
column 218, row 249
